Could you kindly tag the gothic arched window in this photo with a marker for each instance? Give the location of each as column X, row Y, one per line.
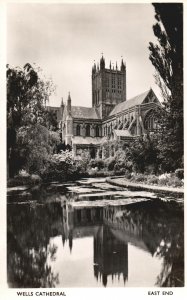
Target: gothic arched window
column 150, row 121
column 78, row 130
column 88, row 130
column 97, row 131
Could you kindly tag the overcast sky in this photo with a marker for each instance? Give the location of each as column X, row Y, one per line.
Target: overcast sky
column 65, row 39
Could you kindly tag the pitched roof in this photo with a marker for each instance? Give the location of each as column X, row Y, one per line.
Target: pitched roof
column 122, row 133
column 84, row 112
column 129, row 103
column 86, row 140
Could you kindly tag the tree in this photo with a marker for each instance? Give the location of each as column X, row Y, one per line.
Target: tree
column 27, row 95
column 144, row 154
column 167, row 58
column 35, row 143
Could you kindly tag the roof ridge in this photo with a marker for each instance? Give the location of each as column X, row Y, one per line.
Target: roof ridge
column 129, row 100
column 83, row 106
column 146, row 92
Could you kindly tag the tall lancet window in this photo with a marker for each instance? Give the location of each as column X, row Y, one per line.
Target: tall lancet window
column 97, row 131
column 88, row 130
column 78, row 130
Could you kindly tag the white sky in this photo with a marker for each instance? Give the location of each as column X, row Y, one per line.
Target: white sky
column 65, row 39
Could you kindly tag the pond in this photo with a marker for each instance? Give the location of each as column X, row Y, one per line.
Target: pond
column 92, row 234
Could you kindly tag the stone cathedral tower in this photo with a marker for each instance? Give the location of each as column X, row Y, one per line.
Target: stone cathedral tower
column 108, row 87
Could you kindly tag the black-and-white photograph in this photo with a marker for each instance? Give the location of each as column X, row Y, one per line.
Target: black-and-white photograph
column 95, row 147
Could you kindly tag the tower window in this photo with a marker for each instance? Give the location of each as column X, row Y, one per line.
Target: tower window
column 107, row 82
column 113, row 82
column 119, row 83
column 87, row 130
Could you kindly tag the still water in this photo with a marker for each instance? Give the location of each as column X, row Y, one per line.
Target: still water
column 92, row 234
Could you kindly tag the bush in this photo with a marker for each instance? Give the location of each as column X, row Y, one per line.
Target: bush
column 180, row 173
column 110, row 163
column 170, row 180
column 152, row 179
column 120, row 171
column 128, row 176
column 139, row 177
column 96, row 163
column 60, row 167
column 24, row 179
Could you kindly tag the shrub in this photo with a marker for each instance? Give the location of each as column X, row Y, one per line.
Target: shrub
column 139, row 177
column 60, row 167
column 128, row 176
column 120, row 171
column 110, row 163
column 180, row 173
column 97, row 163
column 35, row 179
column 24, row 179
column 116, row 167
column 23, row 173
column 175, row 182
column 170, row 180
column 152, row 179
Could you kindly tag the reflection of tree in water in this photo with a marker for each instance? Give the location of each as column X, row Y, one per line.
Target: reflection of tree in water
column 172, row 274
column 29, row 231
column 168, row 229
column 154, row 225
column 160, row 226
column 28, row 267
column 172, row 249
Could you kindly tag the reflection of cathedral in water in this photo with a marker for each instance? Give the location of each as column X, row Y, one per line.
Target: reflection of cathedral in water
column 113, row 228
column 156, row 227
column 110, row 254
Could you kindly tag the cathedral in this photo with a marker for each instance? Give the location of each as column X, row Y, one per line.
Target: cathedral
column 111, row 117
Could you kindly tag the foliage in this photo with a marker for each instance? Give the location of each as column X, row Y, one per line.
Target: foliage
column 51, row 121
column 97, row 163
column 164, row 179
column 171, row 181
column 167, row 55
column 35, row 144
column 29, row 254
column 144, row 154
column 167, row 58
column 152, row 179
column 27, row 95
column 21, row 179
column 58, row 167
column 179, row 173
column 62, row 147
column 110, row 163
column 63, row 166
column 123, row 160
column 83, row 162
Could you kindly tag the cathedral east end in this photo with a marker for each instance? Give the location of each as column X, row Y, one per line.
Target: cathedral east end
column 111, row 117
